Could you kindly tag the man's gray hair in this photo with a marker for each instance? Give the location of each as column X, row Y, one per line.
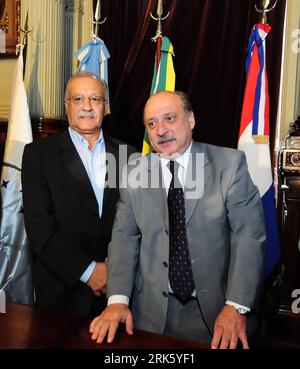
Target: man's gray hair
column 85, row 74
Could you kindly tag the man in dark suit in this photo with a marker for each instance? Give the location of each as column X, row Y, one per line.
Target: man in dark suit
column 187, row 243
column 68, row 206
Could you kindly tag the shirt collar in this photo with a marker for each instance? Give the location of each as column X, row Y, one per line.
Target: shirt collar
column 81, row 141
column 182, row 159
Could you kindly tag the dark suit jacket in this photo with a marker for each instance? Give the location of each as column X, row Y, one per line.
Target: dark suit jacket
column 62, row 220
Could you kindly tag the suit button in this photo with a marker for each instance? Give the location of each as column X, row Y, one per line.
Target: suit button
column 166, row 232
column 165, row 294
column 165, row 264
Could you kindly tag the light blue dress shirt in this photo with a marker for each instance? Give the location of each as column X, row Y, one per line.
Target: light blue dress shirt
column 95, row 165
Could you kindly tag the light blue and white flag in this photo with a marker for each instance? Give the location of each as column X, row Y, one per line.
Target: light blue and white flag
column 15, row 256
column 93, row 57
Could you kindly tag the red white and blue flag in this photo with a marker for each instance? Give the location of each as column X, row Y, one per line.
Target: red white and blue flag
column 254, row 137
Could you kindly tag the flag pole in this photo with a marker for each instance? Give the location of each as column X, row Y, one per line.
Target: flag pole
column 159, row 20
column 26, row 31
column 93, row 56
column 97, row 22
column 158, row 37
column 164, row 75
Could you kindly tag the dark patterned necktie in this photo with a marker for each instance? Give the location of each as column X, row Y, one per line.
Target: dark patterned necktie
column 180, row 268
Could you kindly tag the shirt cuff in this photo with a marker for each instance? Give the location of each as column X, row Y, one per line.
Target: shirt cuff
column 89, row 270
column 118, row 299
column 231, row 303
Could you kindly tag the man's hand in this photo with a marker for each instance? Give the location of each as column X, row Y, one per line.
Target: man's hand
column 108, row 322
column 230, row 326
column 98, row 279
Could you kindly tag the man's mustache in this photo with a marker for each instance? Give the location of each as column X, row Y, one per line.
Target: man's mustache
column 163, row 139
column 86, row 114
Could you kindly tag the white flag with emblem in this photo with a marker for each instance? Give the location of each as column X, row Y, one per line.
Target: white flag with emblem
column 15, row 256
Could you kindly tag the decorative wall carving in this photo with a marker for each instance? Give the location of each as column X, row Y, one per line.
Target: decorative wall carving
column 10, row 24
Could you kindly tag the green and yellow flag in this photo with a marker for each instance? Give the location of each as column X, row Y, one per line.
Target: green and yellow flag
column 163, row 76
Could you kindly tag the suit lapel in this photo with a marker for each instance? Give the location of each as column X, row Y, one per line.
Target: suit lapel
column 73, row 164
column 110, row 148
column 196, row 178
column 157, row 191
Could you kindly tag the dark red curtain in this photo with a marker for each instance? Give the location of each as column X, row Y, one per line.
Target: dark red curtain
column 210, row 39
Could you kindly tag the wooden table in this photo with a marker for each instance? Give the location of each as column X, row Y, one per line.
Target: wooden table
column 27, row 327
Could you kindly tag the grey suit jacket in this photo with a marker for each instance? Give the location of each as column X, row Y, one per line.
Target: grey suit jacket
column 225, row 230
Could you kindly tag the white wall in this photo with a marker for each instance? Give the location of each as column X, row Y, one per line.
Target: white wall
column 290, row 107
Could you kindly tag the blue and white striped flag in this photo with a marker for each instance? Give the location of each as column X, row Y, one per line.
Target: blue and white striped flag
column 93, row 57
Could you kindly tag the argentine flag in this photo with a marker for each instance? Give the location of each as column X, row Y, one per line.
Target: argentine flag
column 93, row 57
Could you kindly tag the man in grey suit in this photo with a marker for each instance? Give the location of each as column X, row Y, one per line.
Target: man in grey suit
column 224, row 236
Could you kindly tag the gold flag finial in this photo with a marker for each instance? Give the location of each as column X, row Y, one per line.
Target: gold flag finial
column 265, row 10
column 159, row 19
column 26, row 30
column 97, row 20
